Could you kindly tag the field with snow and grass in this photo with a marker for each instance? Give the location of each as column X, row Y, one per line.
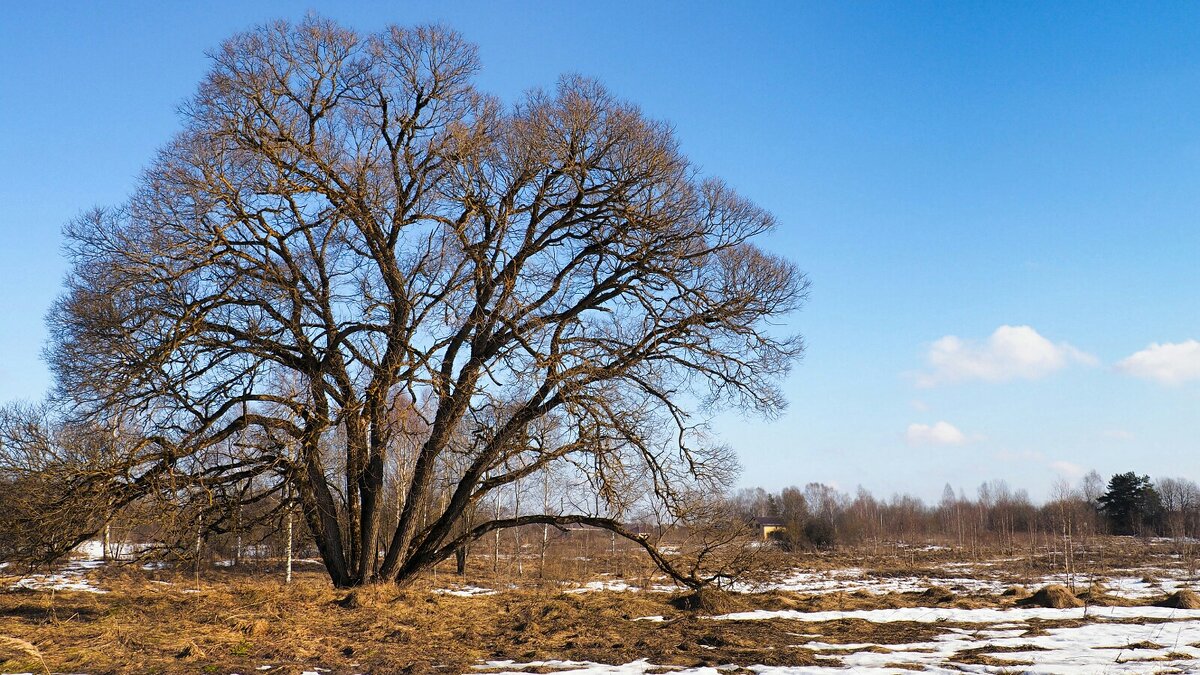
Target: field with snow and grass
column 1126, row 607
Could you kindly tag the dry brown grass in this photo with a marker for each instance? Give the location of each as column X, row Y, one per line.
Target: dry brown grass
column 1054, row 595
column 1181, row 599
column 234, row 623
column 237, row 620
column 16, row 648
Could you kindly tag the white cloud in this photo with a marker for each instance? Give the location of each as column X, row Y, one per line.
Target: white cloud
column 1170, row 363
column 1068, row 469
column 1011, row 352
column 919, row 405
column 941, row 433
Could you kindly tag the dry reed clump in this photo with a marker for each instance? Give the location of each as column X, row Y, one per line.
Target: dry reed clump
column 775, row 600
column 1017, row 591
column 710, row 601
column 1144, row 644
column 190, row 652
column 1054, row 596
column 938, row 594
column 1181, row 599
column 16, row 651
column 1097, row 594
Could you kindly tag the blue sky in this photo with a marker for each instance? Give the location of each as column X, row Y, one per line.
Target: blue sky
column 1022, row 176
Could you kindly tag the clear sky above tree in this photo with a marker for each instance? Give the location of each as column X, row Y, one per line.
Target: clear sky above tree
column 996, row 204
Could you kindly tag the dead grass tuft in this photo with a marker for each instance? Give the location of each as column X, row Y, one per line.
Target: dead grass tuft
column 1181, row 599
column 1054, row 595
column 190, row 652
column 939, row 594
column 16, row 649
column 1144, row 644
column 1016, row 591
column 710, row 601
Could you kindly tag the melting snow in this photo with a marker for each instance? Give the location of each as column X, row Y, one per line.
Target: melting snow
column 465, row 591
column 70, row 578
column 954, row 615
column 620, row 586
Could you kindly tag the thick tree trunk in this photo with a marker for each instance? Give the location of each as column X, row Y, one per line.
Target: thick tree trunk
column 321, row 515
column 355, row 459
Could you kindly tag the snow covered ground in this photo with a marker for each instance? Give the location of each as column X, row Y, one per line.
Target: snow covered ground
column 622, row 586
column 1135, row 640
column 972, row 578
column 1132, row 640
column 72, row 577
column 465, row 591
column 853, row 579
column 964, row 579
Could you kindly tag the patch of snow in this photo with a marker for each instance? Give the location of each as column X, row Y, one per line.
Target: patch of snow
column 92, row 549
column 55, row 582
column 853, row 579
column 621, row 586
column 465, row 591
column 955, row 615
column 70, row 578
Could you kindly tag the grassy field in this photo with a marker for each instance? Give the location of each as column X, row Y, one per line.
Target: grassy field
column 927, row 611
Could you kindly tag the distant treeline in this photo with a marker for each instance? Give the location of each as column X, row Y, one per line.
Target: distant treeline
column 818, row 515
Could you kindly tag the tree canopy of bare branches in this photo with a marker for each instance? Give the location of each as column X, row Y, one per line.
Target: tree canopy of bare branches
column 354, row 278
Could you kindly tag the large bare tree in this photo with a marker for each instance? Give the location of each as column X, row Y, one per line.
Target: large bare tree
column 376, row 282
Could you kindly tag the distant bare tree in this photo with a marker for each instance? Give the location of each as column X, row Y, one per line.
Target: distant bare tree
column 1180, row 501
column 345, row 227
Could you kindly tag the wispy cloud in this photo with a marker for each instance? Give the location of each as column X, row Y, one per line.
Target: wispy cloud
column 1170, row 363
column 940, row 433
column 1011, row 352
column 1068, row 469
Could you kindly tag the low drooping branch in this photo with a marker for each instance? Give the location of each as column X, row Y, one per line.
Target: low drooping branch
column 689, row 579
